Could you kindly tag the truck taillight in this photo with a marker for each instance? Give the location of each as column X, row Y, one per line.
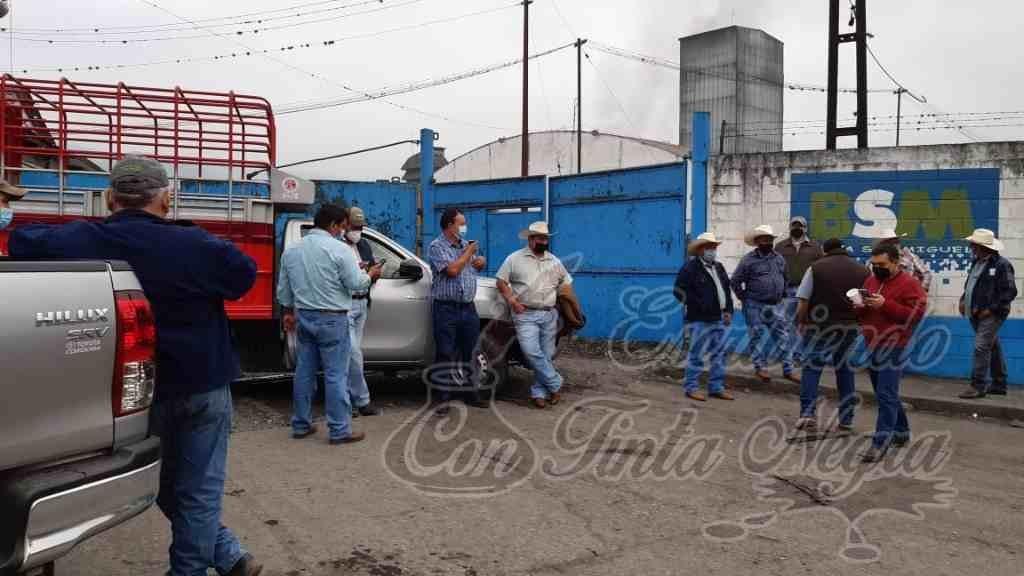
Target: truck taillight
column 135, row 365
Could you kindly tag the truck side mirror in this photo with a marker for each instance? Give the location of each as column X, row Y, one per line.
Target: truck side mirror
column 410, row 270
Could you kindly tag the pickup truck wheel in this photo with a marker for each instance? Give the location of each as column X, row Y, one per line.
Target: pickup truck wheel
column 495, row 351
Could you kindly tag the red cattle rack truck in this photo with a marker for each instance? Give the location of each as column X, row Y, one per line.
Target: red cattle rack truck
column 59, row 140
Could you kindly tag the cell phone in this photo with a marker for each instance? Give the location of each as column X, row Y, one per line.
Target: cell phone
column 381, row 262
column 865, row 293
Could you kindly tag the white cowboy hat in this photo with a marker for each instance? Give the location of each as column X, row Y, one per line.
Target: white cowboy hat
column 705, row 238
column 987, row 238
column 536, row 229
column 762, row 230
column 890, row 233
column 12, row 192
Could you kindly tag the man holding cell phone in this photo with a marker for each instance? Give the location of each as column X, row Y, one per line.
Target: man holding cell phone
column 358, row 390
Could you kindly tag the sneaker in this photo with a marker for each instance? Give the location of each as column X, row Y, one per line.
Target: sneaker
column 972, row 393
column 246, row 566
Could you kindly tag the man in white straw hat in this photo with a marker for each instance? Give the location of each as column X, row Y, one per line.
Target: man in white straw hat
column 989, row 291
column 760, row 283
column 702, row 286
column 909, row 262
column 530, row 280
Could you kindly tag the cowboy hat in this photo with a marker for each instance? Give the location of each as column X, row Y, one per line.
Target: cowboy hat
column 705, row 238
column 890, row 233
column 762, row 230
column 539, row 228
column 987, row 238
column 12, row 192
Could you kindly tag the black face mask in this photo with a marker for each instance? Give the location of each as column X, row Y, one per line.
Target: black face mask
column 797, row 233
column 540, row 249
column 764, row 248
column 882, row 274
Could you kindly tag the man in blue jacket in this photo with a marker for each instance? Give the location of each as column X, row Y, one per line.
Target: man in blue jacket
column 703, row 287
column 760, row 283
column 187, row 274
column 988, row 294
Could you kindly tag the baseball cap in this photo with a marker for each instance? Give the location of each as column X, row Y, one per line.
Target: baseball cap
column 356, row 217
column 136, row 175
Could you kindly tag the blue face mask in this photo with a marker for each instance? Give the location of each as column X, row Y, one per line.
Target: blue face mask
column 6, row 217
column 709, row 255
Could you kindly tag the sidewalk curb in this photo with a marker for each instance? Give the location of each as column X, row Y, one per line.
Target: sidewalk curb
column 954, row 406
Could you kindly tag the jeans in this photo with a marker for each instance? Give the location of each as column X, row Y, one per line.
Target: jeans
column 830, row 346
column 537, row 332
column 323, row 345
column 770, row 318
column 791, row 348
column 358, row 390
column 706, row 339
column 193, row 433
column 886, row 368
column 988, row 355
column 456, row 333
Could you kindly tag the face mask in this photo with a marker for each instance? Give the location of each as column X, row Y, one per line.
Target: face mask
column 6, row 217
column 463, row 230
column 540, row 248
column 764, row 248
column 797, row 233
column 881, row 273
column 354, row 236
column 709, row 256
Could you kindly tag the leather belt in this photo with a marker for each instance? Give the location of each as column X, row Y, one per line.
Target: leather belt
column 338, row 312
column 360, row 296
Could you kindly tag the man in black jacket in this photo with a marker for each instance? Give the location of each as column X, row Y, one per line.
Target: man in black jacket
column 703, row 287
column 989, row 291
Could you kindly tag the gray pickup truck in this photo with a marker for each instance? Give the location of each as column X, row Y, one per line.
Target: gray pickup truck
column 77, row 345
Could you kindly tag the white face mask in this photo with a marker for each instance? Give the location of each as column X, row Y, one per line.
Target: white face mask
column 354, row 236
column 6, row 217
column 463, row 230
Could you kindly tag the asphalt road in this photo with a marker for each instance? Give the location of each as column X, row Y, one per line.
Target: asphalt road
column 624, row 477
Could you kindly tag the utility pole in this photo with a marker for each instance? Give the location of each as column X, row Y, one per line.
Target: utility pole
column 860, row 37
column 721, row 139
column 526, row 87
column 579, row 104
column 899, row 111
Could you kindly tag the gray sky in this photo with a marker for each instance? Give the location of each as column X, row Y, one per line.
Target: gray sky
column 957, row 54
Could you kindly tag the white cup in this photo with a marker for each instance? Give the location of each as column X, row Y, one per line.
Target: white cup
column 855, row 296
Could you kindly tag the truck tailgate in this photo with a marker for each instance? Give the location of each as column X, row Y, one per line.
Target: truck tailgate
column 57, row 353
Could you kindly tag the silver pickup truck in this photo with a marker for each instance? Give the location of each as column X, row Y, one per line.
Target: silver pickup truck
column 77, row 345
column 399, row 332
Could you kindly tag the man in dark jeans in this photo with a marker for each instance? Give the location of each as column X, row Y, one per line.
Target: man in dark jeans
column 186, row 274
column 456, row 265
column 829, row 327
column 986, row 302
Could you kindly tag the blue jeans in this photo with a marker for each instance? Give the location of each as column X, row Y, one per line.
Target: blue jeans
column 456, row 332
column 792, row 349
column 886, row 368
column 706, row 339
column 358, row 390
column 323, row 345
column 831, row 346
column 771, row 319
column 537, row 332
column 193, row 433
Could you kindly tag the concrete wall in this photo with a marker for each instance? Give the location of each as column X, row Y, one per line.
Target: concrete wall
column 936, row 194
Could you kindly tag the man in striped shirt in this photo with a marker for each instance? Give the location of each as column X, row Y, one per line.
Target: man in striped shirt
column 456, row 265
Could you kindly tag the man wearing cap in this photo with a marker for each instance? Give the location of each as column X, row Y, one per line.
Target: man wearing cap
column 909, row 262
column 187, row 275
column 828, row 323
column 702, row 286
column 760, row 283
column 800, row 251
column 988, row 294
column 358, row 390
column 8, row 194
column 530, row 280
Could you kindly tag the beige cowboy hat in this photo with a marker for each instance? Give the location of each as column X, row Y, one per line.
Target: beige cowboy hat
column 539, row 228
column 987, row 238
column 705, row 238
column 12, row 192
column 757, row 232
column 890, row 233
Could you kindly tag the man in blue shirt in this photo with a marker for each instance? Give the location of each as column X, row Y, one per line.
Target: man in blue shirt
column 318, row 277
column 455, row 266
column 760, row 283
column 186, row 274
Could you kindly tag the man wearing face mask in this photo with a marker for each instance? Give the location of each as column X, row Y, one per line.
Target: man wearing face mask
column 760, row 283
column 895, row 303
column 909, row 262
column 799, row 251
column 358, row 390
column 530, row 280
column 8, row 194
column 456, row 266
column 186, row 273
column 988, row 294
column 702, row 286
